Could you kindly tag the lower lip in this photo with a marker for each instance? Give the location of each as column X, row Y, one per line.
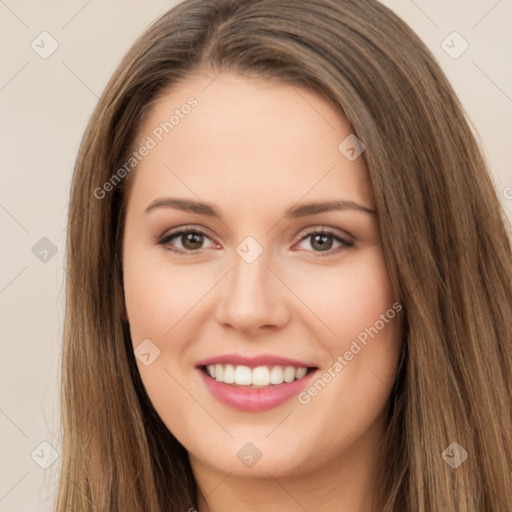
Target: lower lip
column 254, row 399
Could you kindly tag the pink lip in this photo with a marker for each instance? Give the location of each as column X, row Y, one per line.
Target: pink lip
column 254, row 399
column 253, row 362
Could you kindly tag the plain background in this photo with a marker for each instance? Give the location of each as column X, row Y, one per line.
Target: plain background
column 44, row 107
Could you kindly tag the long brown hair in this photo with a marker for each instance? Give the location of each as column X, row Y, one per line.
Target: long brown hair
column 444, row 238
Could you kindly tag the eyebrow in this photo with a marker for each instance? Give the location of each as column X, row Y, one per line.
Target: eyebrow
column 294, row 212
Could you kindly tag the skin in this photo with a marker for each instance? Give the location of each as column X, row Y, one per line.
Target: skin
column 253, row 149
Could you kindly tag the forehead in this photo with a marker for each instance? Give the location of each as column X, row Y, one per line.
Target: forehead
column 230, row 137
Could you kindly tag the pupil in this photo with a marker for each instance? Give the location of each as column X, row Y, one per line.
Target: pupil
column 192, row 240
column 322, row 242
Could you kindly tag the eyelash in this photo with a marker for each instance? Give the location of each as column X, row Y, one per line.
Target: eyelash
column 165, row 239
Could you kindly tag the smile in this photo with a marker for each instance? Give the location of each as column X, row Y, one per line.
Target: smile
column 260, row 384
column 261, row 376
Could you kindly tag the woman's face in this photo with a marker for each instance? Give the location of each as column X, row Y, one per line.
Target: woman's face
column 252, row 251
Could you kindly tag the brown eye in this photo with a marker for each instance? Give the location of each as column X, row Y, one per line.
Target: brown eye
column 324, row 242
column 321, row 242
column 192, row 240
column 185, row 241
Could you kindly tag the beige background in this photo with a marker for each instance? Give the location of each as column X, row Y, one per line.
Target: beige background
column 44, row 106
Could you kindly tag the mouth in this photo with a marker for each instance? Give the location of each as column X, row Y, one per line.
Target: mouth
column 263, row 376
column 254, row 384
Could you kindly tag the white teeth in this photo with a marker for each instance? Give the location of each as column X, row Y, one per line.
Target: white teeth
column 260, row 376
column 243, row 376
column 276, row 375
column 229, row 374
column 289, row 374
column 219, row 372
column 301, row 372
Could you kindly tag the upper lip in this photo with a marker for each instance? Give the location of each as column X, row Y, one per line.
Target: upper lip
column 253, row 362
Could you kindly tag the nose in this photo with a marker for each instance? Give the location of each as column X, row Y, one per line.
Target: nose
column 253, row 299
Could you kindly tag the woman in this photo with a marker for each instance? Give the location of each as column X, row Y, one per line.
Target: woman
column 290, row 281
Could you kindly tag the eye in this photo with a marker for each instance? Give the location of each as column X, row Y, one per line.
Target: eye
column 186, row 240
column 191, row 240
column 325, row 241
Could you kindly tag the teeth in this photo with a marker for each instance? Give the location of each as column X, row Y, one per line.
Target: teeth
column 276, row 375
column 259, row 376
column 301, row 372
column 243, row 376
column 219, row 372
column 229, row 374
column 289, row 374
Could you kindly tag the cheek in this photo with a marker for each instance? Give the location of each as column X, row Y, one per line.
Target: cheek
column 364, row 342
column 158, row 300
column 159, row 295
column 347, row 298
column 357, row 319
